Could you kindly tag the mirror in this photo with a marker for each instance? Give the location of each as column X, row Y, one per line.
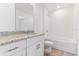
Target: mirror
column 24, row 17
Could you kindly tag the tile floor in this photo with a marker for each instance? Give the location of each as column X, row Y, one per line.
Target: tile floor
column 57, row 52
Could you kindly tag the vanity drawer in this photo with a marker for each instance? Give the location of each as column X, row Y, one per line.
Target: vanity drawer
column 4, row 49
column 20, row 44
column 33, row 40
column 9, row 49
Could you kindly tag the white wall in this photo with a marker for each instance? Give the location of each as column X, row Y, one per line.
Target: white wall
column 7, row 17
column 38, row 18
column 46, row 20
column 27, row 22
column 62, row 24
column 76, row 18
column 76, row 11
column 46, row 23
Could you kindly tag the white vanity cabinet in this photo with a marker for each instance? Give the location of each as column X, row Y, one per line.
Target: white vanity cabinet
column 78, row 47
column 20, row 53
column 13, row 48
column 36, row 49
column 35, row 46
column 28, row 46
column 32, row 46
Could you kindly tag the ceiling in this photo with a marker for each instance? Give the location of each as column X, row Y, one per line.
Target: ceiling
column 26, row 7
column 53, row 6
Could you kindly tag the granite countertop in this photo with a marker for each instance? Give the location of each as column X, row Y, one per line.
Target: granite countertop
column 16, row 37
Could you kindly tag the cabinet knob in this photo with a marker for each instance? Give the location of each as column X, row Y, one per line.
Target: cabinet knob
column 38, row 46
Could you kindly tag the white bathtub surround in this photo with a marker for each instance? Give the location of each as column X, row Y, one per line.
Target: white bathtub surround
column 68, row 46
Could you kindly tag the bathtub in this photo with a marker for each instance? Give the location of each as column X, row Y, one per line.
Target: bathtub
column 66, row 45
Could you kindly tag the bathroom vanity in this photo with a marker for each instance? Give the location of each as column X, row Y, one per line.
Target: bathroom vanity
column 21, row 17
column 22, row 45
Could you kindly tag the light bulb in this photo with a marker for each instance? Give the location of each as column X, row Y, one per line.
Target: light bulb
column 58, row 6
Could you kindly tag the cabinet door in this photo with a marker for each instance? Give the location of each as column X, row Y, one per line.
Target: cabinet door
column 40, row 48
column 36, row 49
column 78, row 48
column 24, row 52
column 20, row 53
